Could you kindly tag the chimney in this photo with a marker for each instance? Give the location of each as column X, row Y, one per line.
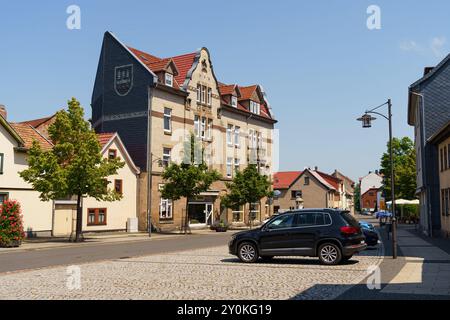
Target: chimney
column 316, row 168
column 3, row 111
column 376, row 171
column 427, row 70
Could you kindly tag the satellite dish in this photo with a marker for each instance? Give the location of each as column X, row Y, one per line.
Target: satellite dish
column 276, row 193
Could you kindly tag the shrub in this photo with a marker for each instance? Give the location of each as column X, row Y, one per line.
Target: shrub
column 11, row 225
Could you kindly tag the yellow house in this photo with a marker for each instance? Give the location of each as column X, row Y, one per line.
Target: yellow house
column 441, row 140
column 15, row 139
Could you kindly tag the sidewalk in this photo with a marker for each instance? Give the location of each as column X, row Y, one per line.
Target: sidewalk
column 95, row 239
column 420, row 272
column 427, row 267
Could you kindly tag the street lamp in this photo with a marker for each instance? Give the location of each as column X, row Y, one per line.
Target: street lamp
column 366, row 120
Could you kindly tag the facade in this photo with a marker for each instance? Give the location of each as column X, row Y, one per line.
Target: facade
column 442, row 142
column 308, row 189
column 371, row 192
column 58, row 218
column 155, row 104
column 348, row 189
column 428, row 112
column 15, row 139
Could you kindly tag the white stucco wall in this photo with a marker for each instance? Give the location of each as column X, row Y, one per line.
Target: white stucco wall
column 118, row 212
column 37, row 215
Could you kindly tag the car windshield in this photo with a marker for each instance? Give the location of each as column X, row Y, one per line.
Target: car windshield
column 351, row 221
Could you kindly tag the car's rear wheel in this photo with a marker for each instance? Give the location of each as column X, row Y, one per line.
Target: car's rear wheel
column 247, row 252
column 330, row 254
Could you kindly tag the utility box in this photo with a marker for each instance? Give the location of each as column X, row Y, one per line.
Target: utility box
column 132, row 225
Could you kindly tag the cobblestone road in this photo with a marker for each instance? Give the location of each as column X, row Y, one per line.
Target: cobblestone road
column 196, row 274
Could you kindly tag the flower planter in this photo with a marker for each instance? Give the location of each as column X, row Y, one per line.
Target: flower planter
column 221, row 229
column 11, row 244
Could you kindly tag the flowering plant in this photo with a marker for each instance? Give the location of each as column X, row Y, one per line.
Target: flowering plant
column 11, row 225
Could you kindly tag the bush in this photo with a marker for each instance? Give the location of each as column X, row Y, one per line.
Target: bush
column 11, row 225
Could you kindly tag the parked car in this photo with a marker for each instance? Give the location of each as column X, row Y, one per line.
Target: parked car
column 370, row 233
column 383, row 214
column 331, row 235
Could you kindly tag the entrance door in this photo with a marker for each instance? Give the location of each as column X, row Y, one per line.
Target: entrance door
column 201, row 213
column 63, row 220
column 209, row 214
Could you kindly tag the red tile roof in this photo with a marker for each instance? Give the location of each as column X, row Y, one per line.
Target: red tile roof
column 283, row 180
column 37, row 122
column 104, row 138
column 29, row 134
column 184, row 64
column 247, row 92
column 334, row 182
column 225, row 89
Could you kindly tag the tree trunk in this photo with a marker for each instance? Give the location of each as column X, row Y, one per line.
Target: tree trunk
column 186, row 218
column 79, row 226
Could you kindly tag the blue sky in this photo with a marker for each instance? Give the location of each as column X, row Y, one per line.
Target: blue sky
column 319, row 63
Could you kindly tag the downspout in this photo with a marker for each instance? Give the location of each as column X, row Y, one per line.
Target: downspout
column 53, row 219
column 149, row 156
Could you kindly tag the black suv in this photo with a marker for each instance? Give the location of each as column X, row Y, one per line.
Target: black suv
column 332, row 235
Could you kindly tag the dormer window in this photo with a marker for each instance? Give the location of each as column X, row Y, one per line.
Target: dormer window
column 255, row 107
column 169, row 79
column 234, row 101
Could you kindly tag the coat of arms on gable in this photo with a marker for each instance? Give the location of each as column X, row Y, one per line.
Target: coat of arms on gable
column 123, row 79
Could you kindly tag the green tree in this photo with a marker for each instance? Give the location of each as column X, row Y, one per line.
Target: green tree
column 248, row 186
column 190, row 178
column 357, row 196
column 75, row 166
column 404, row 169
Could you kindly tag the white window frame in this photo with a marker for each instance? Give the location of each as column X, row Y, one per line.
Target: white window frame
column 168, row 206
column 199, row 89
column 168, row 79
column 203, row 94
column 209, row 97
column 240, row 212
column 168, row 116
column 197, row 126
column 234, row 101
column 237, row 164
column 203, row 128
column 167, row 156
column 209, row 129
column 250, row 138
column 230, row 134
column 255, row 107
column 229, row 167
column 237, row 140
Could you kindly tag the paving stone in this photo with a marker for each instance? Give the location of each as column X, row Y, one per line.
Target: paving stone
column 196, row 274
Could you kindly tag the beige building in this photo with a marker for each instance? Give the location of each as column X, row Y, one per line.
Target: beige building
column 308, row 189
column 233, row 124
column 58, row 218
column 15, row 139
column 442, row 142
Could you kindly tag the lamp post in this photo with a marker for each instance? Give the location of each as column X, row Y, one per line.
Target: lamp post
column 366, row 120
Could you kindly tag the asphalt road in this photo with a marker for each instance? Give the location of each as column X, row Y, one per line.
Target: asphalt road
column 83, row 253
